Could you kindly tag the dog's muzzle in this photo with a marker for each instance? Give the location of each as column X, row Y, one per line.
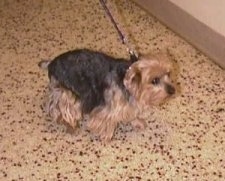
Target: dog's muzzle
column 170, row 89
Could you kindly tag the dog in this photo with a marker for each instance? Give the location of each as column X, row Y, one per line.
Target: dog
column 103, row 90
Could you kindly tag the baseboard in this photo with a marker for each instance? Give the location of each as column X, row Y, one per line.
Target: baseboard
column 203, row 37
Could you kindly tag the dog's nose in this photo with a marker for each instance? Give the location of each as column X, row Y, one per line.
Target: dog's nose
column 170, row 89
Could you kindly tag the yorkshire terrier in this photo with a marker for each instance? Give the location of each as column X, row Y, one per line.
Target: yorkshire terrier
column 103, row 90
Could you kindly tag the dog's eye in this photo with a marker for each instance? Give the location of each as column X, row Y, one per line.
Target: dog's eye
column 156, row 81
column 168, row 74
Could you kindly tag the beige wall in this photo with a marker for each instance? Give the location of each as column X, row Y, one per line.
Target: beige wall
column 200, row 22
column 210, row 12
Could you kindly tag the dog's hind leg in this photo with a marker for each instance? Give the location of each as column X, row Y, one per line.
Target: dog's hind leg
column 63, row 106
column 70, row 109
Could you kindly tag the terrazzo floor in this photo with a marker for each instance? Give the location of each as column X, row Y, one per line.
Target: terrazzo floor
column 184, row 139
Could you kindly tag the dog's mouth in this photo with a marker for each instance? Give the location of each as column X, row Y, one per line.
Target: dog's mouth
column 159, row 98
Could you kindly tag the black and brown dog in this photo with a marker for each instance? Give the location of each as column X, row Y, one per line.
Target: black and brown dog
column 104, row 90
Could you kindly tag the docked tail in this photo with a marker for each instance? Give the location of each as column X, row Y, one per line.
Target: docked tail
column 44, row 64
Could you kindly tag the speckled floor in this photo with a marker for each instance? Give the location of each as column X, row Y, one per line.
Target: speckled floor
column 184, row 139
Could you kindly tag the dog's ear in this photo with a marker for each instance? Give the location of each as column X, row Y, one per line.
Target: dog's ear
column 136, row 76
column 133, row 78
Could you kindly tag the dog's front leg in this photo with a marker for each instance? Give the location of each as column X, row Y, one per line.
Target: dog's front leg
column 138, row 123
column 103, row 123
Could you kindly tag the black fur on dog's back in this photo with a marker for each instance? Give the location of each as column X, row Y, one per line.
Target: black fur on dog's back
column 87, row 74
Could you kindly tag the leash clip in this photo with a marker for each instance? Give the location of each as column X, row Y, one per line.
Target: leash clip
column 133, row 56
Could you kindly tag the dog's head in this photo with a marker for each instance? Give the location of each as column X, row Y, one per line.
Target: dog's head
column 148, row 80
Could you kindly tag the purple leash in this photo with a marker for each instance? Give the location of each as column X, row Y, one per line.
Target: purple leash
column 133, row 57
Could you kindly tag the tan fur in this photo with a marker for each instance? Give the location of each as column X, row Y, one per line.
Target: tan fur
column 104, row 120
column 147, row 70
column 63, row 106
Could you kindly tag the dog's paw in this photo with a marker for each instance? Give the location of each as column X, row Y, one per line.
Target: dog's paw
column 103, row 128
column 138, row 124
